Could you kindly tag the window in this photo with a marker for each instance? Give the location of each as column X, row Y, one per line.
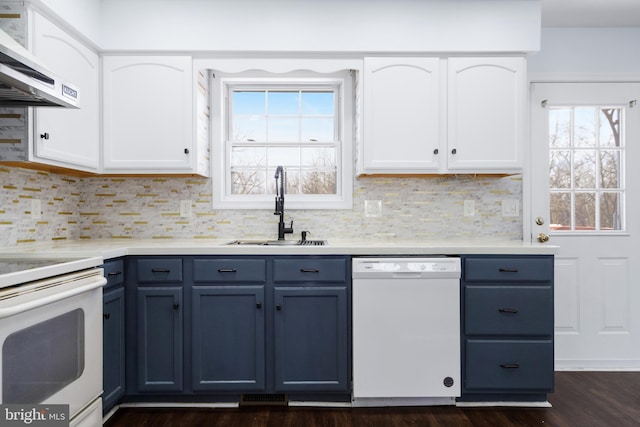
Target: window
column 586, row 163
column 300, row 121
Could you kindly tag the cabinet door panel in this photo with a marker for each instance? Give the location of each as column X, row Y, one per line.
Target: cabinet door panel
column 159, row 312
column 401, row 114
column 113, row 348
column 311, row 339
column 508, row 310
column 74, row 134
column 523, row 366
column 228, row 346
column 485, row 113
column 148, row 114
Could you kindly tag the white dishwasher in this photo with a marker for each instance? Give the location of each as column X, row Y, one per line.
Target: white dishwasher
column 406, row 331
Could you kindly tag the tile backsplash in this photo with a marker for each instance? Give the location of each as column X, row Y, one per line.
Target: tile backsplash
column 126, row 208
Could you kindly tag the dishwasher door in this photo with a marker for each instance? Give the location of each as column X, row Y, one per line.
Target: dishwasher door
column 406, row 331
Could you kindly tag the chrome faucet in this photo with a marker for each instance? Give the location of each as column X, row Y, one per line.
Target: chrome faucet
column 282, row 230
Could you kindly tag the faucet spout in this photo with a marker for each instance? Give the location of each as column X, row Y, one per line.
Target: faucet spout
column 279, row 210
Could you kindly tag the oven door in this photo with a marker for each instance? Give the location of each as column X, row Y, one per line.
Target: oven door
column 51, row 342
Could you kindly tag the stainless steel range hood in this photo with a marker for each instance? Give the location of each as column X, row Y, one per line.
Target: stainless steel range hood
column 24, row 82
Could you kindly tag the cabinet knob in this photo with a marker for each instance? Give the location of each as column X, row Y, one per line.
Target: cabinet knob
column 176, row 306
column 259, row 305
column 278, row 307
column 436, row 151
column 186, row 151
column 44, row 135
column 454, row 151
column 107, row 316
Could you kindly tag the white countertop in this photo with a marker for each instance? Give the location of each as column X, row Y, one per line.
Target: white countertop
column 112, row 248
column 89, row 253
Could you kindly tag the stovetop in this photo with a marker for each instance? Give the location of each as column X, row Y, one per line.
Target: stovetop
column 17, row 270
column 17, row 265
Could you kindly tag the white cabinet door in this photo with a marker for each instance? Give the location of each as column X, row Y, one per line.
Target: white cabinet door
column 401, row 115
column 148, row 115
column 66, row 137
column 486, row 99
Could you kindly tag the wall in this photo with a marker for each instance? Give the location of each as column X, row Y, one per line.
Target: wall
column 125, row 208
column 320, row 25
column 587, row 51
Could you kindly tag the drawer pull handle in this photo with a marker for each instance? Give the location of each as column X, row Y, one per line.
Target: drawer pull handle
column 227, row 270
column 309, row 270
column 509, row 365
column 160, row 270
column 508, row 310
column 508, row 270
column 114, row 273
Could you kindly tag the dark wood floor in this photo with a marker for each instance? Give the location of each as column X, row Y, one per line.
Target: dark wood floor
column 581, row 399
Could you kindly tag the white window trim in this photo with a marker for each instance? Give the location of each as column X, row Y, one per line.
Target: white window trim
column 220, row 155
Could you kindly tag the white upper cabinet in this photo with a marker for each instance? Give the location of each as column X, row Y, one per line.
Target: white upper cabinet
column 401, row 115
column 431, row 115
column 148, row 115
column 66, row 137
column 486, row 98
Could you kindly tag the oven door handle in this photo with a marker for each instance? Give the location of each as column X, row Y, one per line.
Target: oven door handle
column 98, row 282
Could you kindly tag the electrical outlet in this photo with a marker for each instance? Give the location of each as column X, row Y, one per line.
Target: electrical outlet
column 510, row 207
column 469, row 208
column 372, row 208
column 36, row 209
column 185, row 208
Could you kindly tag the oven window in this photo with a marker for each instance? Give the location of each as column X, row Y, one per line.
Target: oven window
column 42, row 359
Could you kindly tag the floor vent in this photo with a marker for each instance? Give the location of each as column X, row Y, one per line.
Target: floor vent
column 264, row 399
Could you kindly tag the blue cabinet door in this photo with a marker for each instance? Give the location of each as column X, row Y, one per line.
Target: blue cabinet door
column 228, row 338
column 159, row 327
column 311, row 339
column 113, row 348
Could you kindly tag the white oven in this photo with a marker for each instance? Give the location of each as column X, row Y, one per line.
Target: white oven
column 51, row 344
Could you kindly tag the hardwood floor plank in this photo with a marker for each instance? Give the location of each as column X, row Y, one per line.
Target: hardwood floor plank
column 581, row 399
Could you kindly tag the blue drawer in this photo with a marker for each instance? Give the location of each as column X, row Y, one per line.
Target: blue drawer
column 508, row 310
column 508, row 269
column 155, row 270
column 494, row 366
column 230, row 270
column 114, row 272
column 310, row 270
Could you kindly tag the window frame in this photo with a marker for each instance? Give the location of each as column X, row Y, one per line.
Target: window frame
column 597, row 190
column 222, row 83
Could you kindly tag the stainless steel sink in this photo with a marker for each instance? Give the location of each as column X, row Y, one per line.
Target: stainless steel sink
column 278, row 242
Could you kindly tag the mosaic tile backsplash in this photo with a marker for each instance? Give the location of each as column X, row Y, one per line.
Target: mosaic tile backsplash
column 128, row 208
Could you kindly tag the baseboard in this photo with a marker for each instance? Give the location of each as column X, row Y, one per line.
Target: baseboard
column 597, row 365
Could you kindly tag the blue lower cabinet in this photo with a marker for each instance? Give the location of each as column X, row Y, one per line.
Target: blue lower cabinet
column 209, row 327
column 228, row 338
column 113, row 334
column 310, row 339
column 159, row 335
column 507, row 327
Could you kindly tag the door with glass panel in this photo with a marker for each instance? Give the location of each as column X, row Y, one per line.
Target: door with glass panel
column 585, row 188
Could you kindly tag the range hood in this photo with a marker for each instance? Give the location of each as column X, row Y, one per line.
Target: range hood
column 24, row 82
